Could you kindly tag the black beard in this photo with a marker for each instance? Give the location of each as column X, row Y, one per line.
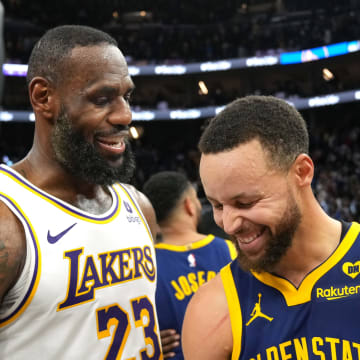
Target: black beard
column 278, row 243
column 82, row 160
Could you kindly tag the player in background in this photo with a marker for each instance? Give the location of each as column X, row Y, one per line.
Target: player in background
column 186, row 259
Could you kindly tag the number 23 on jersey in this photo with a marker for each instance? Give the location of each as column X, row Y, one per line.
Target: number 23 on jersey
column 144, row 316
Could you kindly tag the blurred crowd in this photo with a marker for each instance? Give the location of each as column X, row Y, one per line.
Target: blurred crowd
column 188, row 31
column 177, row 32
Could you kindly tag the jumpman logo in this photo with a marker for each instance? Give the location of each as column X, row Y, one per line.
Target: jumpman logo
column 258, row 313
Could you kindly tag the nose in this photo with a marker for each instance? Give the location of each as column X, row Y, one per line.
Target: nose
column 120, row 112
column 231, row 220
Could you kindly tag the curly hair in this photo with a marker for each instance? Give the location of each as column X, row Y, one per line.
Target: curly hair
column 278, row 126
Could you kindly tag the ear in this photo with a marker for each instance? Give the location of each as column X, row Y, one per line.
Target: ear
column 189, row 206
column 42, row 97
column 303, row 170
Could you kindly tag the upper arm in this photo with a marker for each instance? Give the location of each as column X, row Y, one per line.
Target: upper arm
column 206, row 331
column 148, row 211
column 12, row 249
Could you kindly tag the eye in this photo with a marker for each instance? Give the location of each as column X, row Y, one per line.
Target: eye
column 127, row 96
column 101, row 100
column 245, row 205
column 217, row 206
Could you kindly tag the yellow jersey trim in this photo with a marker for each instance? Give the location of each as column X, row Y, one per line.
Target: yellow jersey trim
column 295, row 296
column 33, row 287
column 232, row 249
column 182, row 248
column 234, row 309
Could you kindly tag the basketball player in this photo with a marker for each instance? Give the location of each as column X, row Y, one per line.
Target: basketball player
column 293, row 292
column 77, row 264
column 186, row 259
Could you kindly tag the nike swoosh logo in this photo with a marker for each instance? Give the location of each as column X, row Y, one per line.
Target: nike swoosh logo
column 53, row 239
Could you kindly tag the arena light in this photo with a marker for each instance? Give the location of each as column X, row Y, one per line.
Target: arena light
column 185, row 114
column 143, row 115
column 207, row 111
column 134, row 132
column 215, row 65
column 227, row 64
column 262, row 61
column 170, row 69
column 327, row 74
column 330, row 99
column 203, row 89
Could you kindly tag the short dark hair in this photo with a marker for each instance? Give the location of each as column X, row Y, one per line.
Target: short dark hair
column 278, row 126
column 54, row 47
column 164, row 190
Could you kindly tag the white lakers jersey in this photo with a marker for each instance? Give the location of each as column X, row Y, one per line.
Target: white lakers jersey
column 87, row 289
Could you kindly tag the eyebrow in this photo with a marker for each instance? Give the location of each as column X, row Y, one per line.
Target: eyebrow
column 235, row 197
column 108, row 89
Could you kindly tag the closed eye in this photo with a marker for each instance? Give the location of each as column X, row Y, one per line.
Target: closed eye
column 217, row 206
column 245, row 205
column 101, row 100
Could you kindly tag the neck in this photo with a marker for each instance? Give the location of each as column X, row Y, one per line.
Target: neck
column 179, row 233
column 313, row 243
column 49, row 176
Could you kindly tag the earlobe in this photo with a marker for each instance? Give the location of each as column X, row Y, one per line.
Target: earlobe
column 41, row 97
column 304, row 170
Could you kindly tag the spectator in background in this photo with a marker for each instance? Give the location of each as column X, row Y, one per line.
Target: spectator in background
column 186, row 259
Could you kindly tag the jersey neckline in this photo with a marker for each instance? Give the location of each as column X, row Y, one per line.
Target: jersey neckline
column 191, row 246
column 107, row 216
column 302, row 294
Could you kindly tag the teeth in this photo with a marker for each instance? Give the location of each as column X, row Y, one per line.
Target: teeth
column 114, row 144
column 248, row 240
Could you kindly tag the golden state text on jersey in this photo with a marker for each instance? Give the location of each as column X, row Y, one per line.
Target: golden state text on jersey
column 87, row 290
column 272, row 319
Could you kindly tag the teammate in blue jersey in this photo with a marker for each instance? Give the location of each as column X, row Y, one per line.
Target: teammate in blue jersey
column 185, row 258
column 77, row 262
column 293, row 292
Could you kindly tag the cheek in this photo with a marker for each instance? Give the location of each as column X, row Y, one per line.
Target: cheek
column 218, row 218
column 270, row 213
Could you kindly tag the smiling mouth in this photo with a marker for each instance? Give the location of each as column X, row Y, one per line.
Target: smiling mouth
column 250, row 238
column 113, row 144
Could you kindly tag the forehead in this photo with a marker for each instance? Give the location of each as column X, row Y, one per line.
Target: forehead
column 244, row 170
column 89, row 65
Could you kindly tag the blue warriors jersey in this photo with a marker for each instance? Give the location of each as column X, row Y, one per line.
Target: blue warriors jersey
column 87, row 288
column 319, row 320
column 181, row 270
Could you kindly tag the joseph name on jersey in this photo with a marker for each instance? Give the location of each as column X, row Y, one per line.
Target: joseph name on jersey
column 87, row 290
column 182, row 269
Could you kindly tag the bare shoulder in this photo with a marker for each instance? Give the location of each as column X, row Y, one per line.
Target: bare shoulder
column 206, row 332
column 146, row 208
column 12, row 248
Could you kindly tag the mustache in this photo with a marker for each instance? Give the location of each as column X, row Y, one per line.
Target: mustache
column 115, row 130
